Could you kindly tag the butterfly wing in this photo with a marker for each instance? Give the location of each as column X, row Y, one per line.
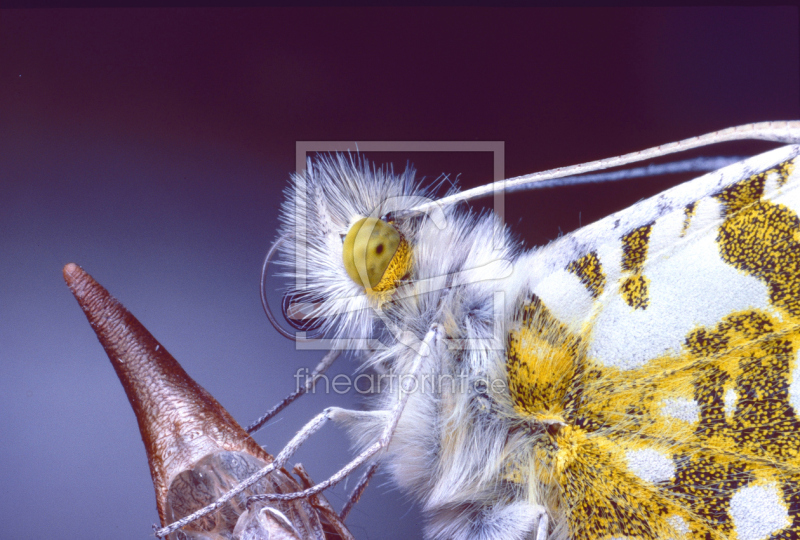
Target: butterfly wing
column 659, row 347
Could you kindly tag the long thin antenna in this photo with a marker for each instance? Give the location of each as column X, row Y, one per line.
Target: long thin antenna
column 698, row 164
column 784, row 131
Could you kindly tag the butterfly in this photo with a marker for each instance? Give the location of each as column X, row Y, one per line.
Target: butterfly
column 637, row 378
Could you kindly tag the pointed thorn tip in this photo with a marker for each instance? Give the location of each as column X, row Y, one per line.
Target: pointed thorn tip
column 72, row 272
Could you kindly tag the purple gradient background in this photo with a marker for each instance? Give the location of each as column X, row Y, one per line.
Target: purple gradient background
column 151, row 147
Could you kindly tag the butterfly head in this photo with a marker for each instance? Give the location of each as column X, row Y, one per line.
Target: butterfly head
column 347, row 256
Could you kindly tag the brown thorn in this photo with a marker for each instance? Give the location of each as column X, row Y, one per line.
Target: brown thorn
column 180, row 422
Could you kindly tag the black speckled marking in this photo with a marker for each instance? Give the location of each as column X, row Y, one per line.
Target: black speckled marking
column 590, row 272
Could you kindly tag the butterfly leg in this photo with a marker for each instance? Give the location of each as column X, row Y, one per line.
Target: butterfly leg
column 309, row 429
column 321, row 368
column 344, row 415
column 355, row 495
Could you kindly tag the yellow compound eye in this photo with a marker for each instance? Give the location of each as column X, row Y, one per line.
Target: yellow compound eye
column 369, row 248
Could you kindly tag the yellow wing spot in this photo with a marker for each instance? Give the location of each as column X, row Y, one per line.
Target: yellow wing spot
column 590, row 272
column 741, row 194
column 634, row 248
column 763, row 239
column 634, row 287
column 605, row 499
column 541, row 363
column 785, row 170
column 736, row 330
column 737, row 196
column 689, row 212
column 704, row 482
column 634, row 291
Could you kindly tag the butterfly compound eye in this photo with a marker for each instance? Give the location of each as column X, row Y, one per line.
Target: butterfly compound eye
column 375, row 255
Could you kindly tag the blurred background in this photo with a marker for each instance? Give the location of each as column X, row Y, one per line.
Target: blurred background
column 151, row 146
